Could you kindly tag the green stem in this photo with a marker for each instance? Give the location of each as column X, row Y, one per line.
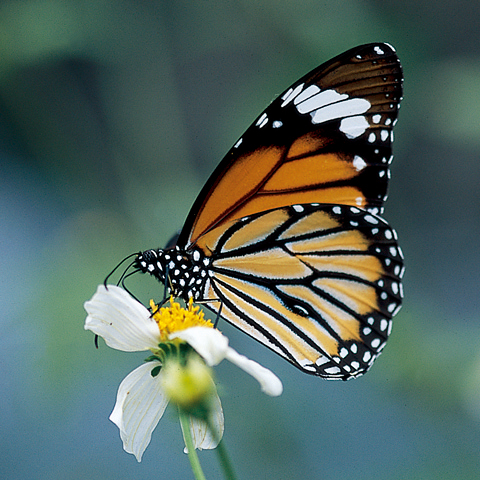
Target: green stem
column 223, row 457
column 225, row 462
column 192, row 453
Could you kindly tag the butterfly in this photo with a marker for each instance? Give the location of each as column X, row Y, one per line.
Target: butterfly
column 285, row 240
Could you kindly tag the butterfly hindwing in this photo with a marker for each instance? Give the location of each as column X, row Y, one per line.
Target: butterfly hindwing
column 327, row 139
column 318, row 284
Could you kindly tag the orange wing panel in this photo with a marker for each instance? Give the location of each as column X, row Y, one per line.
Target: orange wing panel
column 347, row 240
column 261, row 203
column 272, row 264
column 315, row 222
column 311, row 172
column 346, row 325
column 244, row 177
column 311, row 142
column 256, row 230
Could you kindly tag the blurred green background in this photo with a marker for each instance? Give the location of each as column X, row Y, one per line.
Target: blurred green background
column 112, row 115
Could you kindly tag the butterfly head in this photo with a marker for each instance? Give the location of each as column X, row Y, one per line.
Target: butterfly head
column 156, row 262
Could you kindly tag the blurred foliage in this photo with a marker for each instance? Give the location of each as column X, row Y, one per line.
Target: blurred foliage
column 112, row 115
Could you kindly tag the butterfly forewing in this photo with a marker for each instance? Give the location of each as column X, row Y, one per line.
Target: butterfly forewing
column 318, row 284
column 327, row 139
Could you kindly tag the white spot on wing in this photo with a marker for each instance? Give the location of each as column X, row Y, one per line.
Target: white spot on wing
column 321, row 361
column 291, row 94
column 317, row 99
column 307, row 365
column 345, row 108
column 353, row 127
column 370, row 219
column 262, row 121
column 330, row 105
column 359, row 163
column 332, row 370
column 306, row 94
column 287, row 95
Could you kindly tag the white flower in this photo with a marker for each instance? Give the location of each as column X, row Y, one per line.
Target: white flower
column 127, row 325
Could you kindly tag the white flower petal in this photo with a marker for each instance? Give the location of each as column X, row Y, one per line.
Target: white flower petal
column 124, row 323
column 201, row 434
column 209, row 343
column 217, row 423
column 269, row 382
column 139, row 407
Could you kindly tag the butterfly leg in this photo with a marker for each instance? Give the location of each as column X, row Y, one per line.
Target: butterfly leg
column 219, row 311
column 218, row 315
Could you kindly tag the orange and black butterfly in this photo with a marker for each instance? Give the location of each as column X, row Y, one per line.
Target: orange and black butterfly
column 284, row 240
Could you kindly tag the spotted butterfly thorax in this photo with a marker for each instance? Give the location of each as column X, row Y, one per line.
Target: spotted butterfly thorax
column 284, row 240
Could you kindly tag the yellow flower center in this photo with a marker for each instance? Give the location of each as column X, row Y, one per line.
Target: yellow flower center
column 175, row 317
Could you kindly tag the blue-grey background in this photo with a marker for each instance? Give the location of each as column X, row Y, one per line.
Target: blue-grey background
column 112, row 116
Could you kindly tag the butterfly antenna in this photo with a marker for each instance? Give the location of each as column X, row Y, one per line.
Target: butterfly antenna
column 124, row 277
column 117, row 267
